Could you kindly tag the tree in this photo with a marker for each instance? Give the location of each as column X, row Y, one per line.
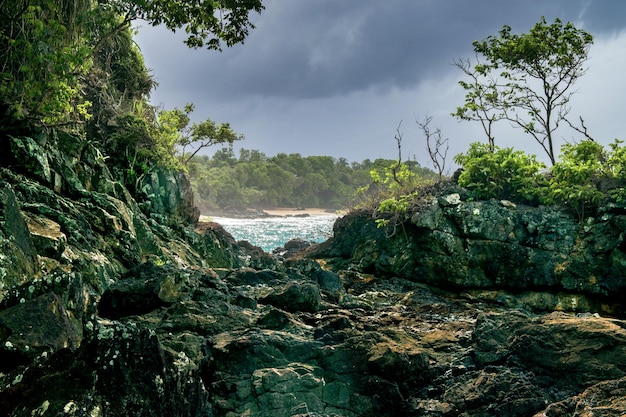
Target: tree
column 481, row 98
column 208, row 23
column 46, row 47
column 175, row 132
column 526, row 79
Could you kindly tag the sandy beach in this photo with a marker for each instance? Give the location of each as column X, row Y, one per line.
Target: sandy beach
column 274, row 212
column 299, row 212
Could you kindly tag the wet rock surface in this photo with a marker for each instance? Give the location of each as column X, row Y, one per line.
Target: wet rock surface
column 112, row 305
column 389, row 347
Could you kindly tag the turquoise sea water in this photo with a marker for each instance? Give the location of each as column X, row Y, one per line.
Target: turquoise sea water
column 270, row 233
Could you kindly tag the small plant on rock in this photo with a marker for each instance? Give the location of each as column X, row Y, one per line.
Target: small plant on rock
column 397, row 207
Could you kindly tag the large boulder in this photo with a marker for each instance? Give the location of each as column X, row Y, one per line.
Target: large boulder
column 296, row 296
column 168, row 197
column 35, row 327
column 607, row 398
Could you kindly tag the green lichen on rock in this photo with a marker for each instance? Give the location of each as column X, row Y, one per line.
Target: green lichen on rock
column 18, row 255
column 452, row 243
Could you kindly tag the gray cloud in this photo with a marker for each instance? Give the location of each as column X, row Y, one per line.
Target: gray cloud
column 326, row 76
column 324, row 48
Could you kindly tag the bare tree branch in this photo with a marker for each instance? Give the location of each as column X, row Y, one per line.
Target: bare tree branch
column 435, row 143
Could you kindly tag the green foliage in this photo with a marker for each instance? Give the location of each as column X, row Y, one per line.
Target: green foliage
column 502, row 173
column 396, row 207
column 526, row 79
column 575, row 176
column 129, row 147
column 392, row 191
column 394, row 177
column 117, row 57
column 255, row 180
column 396, row 186
column 615, row 165
column 207, row 23
column 41, row 59
column 586, row 175
column 63, row 61
column 145, row 138
column 397, row 178
column 175, row 130
column 540, row 53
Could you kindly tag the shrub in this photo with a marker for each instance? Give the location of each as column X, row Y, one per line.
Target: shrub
column 396, row 207
column 616, row 167
column 502, row 173
column 586, row 174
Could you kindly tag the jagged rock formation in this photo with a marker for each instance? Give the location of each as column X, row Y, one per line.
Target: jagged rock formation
column 68, row 232
column 540, row 257
column 112, row 305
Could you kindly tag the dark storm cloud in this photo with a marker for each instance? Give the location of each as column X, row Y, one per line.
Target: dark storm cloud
column 602, row 16
column 322, row 77
column 324, row 48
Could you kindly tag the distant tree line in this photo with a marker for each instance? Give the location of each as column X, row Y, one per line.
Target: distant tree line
column 225, row 181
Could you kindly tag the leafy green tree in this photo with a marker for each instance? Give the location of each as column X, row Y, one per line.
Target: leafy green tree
column 526, row 79
column 227, row 190
column 42, row 55
column 223, row 157
column 207, row 23
column 282, row 183
column 144, row 138
column 46, row 47
column 174, row 130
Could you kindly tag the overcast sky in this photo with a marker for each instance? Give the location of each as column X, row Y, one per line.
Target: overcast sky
column 336, row 77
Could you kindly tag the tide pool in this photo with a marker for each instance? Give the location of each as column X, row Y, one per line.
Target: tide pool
column 270, row 233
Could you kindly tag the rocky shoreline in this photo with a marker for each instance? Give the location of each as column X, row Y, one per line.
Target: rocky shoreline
column 112, row 304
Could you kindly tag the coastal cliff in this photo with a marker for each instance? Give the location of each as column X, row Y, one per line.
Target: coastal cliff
column 118, row 304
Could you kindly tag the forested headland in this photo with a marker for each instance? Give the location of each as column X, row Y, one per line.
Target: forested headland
column 252, row 179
